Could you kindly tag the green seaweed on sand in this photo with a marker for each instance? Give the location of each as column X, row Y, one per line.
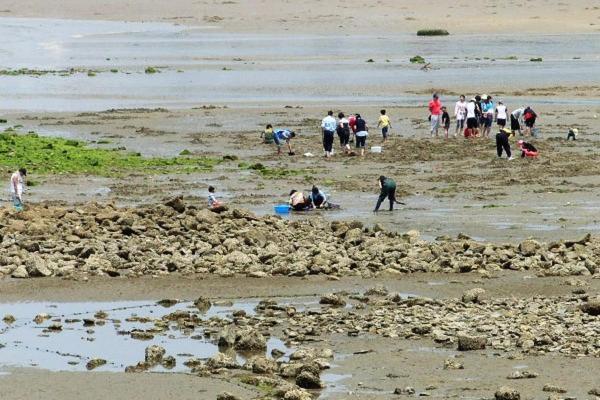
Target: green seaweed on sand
column 432, row 32
column 417, row 60
column 271, row 173
column 49, row 155
column 536, row 59
column 151, row 70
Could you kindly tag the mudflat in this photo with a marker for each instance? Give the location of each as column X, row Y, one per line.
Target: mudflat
column 118, row 282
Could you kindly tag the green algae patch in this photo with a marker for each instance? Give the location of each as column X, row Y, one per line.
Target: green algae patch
column 49, row 155
column 432, row 32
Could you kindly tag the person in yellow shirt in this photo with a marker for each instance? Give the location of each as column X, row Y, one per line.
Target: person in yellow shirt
column 385, row 125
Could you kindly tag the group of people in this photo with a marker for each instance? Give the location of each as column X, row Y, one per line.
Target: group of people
column 351, row 129
column 316, row 199
column 476, row 117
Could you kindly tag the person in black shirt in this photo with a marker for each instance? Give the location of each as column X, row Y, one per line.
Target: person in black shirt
column 362, row 131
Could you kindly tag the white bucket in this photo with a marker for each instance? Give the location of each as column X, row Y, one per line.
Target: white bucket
column 376, row 149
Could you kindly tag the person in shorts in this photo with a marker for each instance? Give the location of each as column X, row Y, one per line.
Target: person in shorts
column 472, row 123
column 529, row 116
column 435, row 114
column 501, row 113
column 487, row 107
column 385, row 124
column 343, row 131
column 281, row 137
column 362, row 131
column 515, row 120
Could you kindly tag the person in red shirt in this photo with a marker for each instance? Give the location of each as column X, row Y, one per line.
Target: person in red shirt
column 352, row 125
column 435, row 111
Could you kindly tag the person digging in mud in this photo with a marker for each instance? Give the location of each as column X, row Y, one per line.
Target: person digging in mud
column 267, row 134
column 572, row 134
column 388, row 189
column 502, row 143
column 320, row 201
column 527, row 149
column 299, row 201
column 17, row 187
column 281, row 136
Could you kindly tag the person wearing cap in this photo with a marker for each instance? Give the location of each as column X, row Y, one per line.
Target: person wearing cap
column 17, row 187
column 435, row 111
column 281, row 136
column 527, row 149
column 502, row 143
column 387, row 188
column 572, row 133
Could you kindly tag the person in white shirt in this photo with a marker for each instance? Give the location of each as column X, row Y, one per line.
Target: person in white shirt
column 17, row 187
column 501, row 114
column 516, row 119
column 460, row 113
column 472, row 123
column 329, row 126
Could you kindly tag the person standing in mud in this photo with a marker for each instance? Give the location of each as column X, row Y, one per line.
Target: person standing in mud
column 387, row 190
column 352, row 125
column 343, row 131
column 503, row 144
column 471, row 130
column 328, row 126
column 362, row 131
column 435, row 112
column 460, row 113
column 17, row 187
column 501, row 114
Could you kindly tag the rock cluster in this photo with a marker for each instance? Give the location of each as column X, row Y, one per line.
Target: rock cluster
column 97, row 239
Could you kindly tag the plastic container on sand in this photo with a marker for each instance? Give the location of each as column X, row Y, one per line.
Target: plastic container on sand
column 376, row 149
column 282, row 209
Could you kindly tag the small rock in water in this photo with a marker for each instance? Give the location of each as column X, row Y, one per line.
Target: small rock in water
column 154, row 354
column 95, row 363
column 40, row 318
column 202, row 304
column 9, row 319
column 167, row 302
column 308, row 380
column 333, row 299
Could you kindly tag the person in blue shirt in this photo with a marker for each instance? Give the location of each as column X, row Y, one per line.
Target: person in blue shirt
column 281, row 136
column 318, row 198
column 488, row 109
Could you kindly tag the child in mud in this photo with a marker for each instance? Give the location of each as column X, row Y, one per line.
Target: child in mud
column 527, row 149
column 445, row 121
column 281, row 136
column 214, row 204
column 267, row 134
column 299, row 201
column 502, row 143
column 385, row 124
column 17, row 187
column 387, row 188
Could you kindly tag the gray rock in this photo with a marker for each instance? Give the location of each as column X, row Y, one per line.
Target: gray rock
column 227, row 396
column 592, row 307
column 20, row 272
column 36, row 267
column 507, row 393
column 154, row 354
column 308, row 380
column 468, row 343
column 332, row 299
column 406, row 391
column 553, row 389
column 473, row 295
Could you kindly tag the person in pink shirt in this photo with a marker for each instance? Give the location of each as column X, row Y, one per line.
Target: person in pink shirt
column 435, row 111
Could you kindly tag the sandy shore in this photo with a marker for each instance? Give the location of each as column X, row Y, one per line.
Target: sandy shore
column 344, row 17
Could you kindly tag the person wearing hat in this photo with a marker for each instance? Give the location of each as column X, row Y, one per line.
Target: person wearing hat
column 17, row 187
column 572, row 133
column 502, row 143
